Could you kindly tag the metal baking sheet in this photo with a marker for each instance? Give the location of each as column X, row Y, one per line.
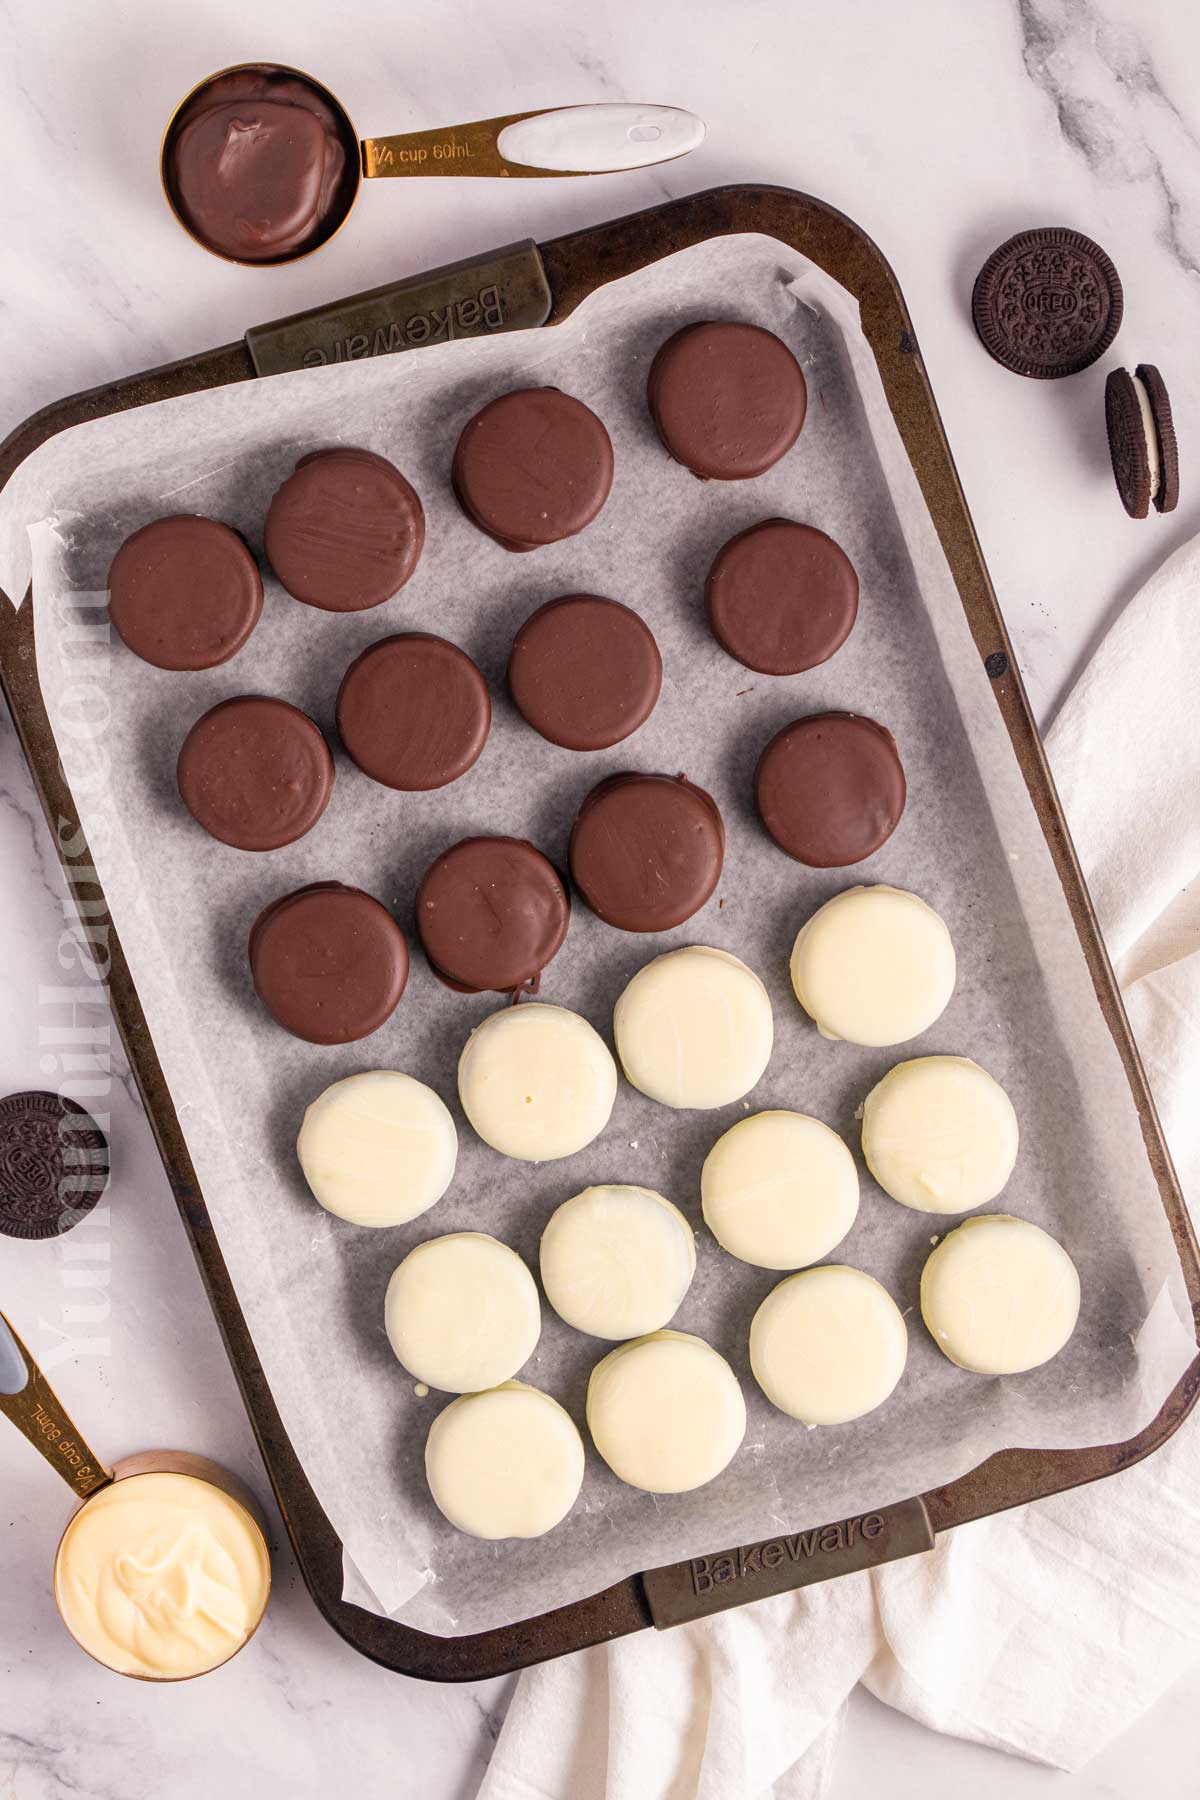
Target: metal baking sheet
column 1024, row 1005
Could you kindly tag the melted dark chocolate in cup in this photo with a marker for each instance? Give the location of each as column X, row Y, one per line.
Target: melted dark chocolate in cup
column 328, row 962
column 256, row 166
column 585, row 672
column 255, row 772
column 345, row 531
column 647, row 850
column 184, row 593
column 413, row 712
column 532, row 467
column 830, row 789
column 491, row 913
column 728, row 400
column 781, row 597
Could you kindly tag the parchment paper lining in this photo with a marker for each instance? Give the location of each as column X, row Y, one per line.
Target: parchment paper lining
column 312, row 1287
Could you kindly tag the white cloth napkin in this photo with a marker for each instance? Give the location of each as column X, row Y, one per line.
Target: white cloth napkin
column 1044, row 1631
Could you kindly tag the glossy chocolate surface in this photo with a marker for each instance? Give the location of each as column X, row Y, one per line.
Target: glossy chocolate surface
column 413, row 712
column 728, row 399
column 533, row 467
column 491, row 913
column 647, row 850
column 255, row 772
column 345, row 531
column 184, row 593
column 830, row 789
column 781, row 597
column 585, row 672
column 328, row 962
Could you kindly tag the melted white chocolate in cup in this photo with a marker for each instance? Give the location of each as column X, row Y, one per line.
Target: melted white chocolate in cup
column 162, row 1576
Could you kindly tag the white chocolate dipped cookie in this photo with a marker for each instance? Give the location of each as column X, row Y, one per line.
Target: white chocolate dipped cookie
column 462, row 1312
column 694, row 1028
column 665, row 1412
column 874, row 965
column 828, row 1345
column 537, row 1082
column 378, row 1148
column 999, row 1295
column 507, row 1463
column 940, row 1135
column 779, row 1190
column 616, row 1262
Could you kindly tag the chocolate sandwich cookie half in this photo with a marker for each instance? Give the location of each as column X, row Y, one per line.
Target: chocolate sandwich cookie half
column 1141, row 440
column 255, row 772
column 1047, row 303
column 728, row 399
column 830, row 789
column 345, row 531
column 53, row 1164
column 184, row 593
column 647, row 850
column 533, row 467
column 328, row 962
column 413, row 712
column 585, row 672
column 781, row 597
column 491, row 913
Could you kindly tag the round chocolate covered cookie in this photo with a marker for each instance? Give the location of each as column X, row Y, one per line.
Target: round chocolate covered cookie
column 255, row 772
column 345, row 531
column 532, row 467
column 491, row 913
column 781, row 597
column 413, row 712
column 53, row 1164
column 328, row 962
column 184, row 593
column 585, row 672
column 647, row 850
column 728, row 399
column 830, row 789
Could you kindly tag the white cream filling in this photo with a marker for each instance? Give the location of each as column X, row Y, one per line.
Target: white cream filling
column 1153, row 454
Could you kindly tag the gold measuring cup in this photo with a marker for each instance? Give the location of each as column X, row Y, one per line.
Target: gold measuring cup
column 595, row 139
column 27, row 1398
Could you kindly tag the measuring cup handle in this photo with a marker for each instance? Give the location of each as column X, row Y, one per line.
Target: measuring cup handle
column 557, row 140
column 27, row 1398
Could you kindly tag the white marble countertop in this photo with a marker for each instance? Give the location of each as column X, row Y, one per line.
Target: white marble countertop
column 940, row 127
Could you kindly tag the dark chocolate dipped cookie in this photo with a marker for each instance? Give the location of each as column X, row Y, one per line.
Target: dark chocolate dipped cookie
column 830, row 789
column 728, row 400
column 413, row 712
column 781, row 597
column 255, row 772
column 491, row 913
column 585, row 672
column 533, row 467
column 328, row 962
column 345, row 531
column 184, row 593
column 647, row 850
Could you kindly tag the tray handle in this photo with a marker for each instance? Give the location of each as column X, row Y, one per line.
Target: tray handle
column 795, row 1559
column 503, row 290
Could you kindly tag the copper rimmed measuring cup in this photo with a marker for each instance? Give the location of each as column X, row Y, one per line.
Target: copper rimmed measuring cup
column 261, row 163
column 189, row 1576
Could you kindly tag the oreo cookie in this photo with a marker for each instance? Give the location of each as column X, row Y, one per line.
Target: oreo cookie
column 1141, row 440
column 1047, row 303
column 53, row 1165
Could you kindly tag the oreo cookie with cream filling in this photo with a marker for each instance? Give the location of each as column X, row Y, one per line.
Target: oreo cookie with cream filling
column 1141, row 440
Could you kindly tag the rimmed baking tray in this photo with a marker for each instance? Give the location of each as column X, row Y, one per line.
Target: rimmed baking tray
column 529, row 286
